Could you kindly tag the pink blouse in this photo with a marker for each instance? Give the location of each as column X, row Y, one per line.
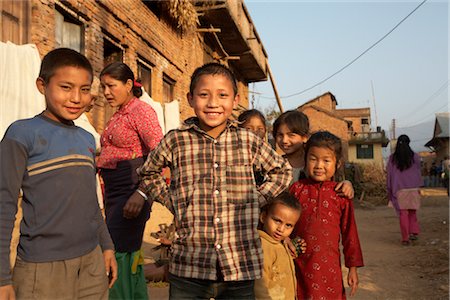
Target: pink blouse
column 132, row 132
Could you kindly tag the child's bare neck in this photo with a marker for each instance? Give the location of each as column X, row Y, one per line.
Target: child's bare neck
column 296, row 160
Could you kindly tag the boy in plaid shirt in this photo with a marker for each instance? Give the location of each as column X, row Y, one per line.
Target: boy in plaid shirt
column 212, row 193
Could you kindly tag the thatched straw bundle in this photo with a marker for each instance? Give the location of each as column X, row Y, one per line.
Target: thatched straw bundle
column 184, row 13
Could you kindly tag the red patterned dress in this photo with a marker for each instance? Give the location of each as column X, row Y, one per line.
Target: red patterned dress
column 325, row 217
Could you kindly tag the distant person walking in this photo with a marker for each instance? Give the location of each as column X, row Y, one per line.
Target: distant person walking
column 403, row 183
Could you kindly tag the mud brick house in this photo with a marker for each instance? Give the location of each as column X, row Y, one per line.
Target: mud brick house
column 162, row 41
column 440, row 141
column 352, row 126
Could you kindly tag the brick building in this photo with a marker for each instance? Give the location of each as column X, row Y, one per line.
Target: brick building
column 161, row 44
column 352, row 126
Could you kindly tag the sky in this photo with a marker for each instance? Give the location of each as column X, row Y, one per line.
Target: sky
column 404, row 77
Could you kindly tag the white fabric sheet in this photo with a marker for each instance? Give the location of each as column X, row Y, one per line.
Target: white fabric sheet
column 156, row 106
column 19, row 97
column 172, row 115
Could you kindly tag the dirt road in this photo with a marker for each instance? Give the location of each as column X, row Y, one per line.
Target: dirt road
column 391, row 271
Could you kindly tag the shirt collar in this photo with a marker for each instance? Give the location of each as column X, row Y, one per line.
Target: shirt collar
column 125, row 109
column 267, row 237
column 193, row 123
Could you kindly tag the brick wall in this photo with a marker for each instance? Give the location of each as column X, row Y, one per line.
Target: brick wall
column 321, row 121
column 140, row 34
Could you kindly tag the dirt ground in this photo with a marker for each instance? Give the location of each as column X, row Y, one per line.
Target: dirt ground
column 392, row 271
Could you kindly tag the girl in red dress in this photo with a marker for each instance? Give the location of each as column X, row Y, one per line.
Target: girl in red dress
column 325, row 218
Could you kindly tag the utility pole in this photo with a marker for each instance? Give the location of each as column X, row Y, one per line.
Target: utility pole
column 393, row 129
column 374, row 106
column 393, row 139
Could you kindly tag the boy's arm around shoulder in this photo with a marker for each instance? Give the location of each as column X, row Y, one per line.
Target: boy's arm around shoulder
column 152, row 181
column 277, row 170
column 13, row 161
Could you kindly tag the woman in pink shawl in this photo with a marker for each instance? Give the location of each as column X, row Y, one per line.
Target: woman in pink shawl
column 403, row 183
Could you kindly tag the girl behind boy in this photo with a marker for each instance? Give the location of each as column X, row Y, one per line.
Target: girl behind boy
column 254, row 121
column 325, row 217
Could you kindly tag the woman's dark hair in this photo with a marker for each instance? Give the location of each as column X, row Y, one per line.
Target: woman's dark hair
column 295, row 120
column 325, row 139
column 123, row 73
column 248, row 114
column 403, row 156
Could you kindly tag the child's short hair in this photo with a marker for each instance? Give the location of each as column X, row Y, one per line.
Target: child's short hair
column 284, row 198
column 248, row 114
column 212, row 69
column 325, row 139
column 297, row 122
column 122, row 72
column 63, row 57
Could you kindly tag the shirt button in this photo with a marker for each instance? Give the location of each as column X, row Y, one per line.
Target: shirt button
column 216, row 165
column 215, row 141
column 216, row 192
column 218, row 246
column 216, row 220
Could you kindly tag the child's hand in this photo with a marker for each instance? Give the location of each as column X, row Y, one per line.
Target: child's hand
column 133, row 206
column 300, row 245
column 7, row 292
column 352, row 280
column 296, row 246
column 111, row 266
column 291, row 247
column 345, row 189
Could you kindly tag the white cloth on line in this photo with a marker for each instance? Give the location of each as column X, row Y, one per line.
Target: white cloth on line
column 19, row 97
column 172, row 115
column 156, row 106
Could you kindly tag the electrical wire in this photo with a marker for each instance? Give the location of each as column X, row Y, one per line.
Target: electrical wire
column 355, row 59
column 427, row 101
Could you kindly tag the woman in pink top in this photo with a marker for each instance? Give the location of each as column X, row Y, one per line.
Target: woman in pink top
column 131, row 133
column 403, row 182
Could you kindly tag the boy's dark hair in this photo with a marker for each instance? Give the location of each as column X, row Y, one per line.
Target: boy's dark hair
column 63, row 57
column 248, row 114
column 297, row 122
column 403, row 156
column 212, row 69
column 325, row 139
column 284, row 198
column 122, row 72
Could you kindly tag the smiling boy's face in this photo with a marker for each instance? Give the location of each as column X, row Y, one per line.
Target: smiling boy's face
column 67, row 93
column 213, row 101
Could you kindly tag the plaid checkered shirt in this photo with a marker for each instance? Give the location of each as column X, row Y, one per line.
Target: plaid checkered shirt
column 214, row 198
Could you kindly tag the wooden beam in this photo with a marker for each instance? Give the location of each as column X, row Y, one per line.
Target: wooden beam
column 275, row 91
column 209, row 30
column 208, row 7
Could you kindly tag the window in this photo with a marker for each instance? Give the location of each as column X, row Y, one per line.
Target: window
column 14, row 20
column 112, row 51
column 364, row 151
column 168, row 85
column 145, row 75
column 68, row 32
column 155, row 7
